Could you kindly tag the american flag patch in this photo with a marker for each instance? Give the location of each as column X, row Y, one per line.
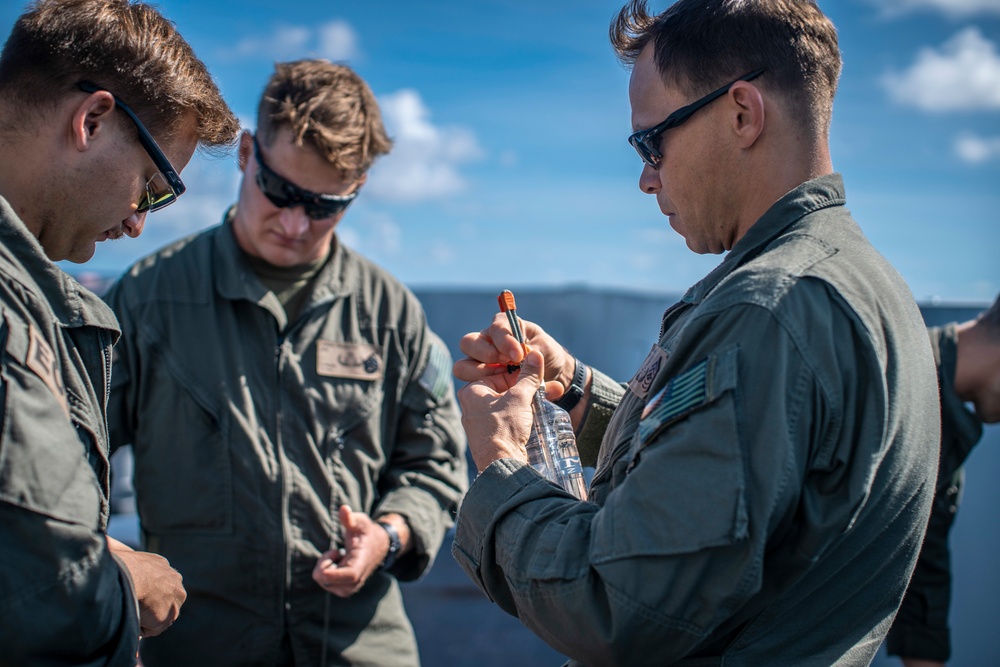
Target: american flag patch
column 681, row 395
column 437, row 375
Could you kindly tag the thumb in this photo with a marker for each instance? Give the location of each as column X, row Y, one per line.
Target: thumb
column 532, row 369
column 347, row 517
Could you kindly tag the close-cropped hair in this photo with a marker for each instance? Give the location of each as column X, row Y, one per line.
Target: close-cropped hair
column 328, row 107
column 125, row 47
column 700, row 45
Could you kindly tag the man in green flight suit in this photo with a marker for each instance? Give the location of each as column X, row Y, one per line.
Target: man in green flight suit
column 763, row 482
column 296, row 437
column 102, row 103
column 968, row 361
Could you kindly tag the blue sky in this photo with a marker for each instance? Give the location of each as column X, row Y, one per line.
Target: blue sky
column 510, row 118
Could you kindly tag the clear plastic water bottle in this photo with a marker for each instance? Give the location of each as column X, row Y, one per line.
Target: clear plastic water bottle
column 552, row 446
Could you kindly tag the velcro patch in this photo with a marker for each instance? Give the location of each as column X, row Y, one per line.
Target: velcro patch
column 681, row 395
column 357, row 361
column 437, row 375
column 42, row 361
column 643, row 379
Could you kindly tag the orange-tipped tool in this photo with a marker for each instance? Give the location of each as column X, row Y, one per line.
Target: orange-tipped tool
column 507, row 305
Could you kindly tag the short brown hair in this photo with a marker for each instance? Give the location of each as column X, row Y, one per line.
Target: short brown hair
column 700, row 45
column 328, row 106
column 127, row 48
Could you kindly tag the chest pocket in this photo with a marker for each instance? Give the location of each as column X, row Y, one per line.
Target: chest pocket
column 183, row 466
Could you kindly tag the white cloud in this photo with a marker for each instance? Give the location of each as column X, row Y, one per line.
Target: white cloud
column 893, row 8
column 424, row 160
column 376, row 235
column 338, row 41
column 284, row 40
column 442, row 253
column 334, row 40
column 973, row 149
column 212, row 185
column 964, row 75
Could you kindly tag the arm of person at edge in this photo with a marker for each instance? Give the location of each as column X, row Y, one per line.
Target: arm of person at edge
column 158, row 587
column 366, row 545
column 491, row 350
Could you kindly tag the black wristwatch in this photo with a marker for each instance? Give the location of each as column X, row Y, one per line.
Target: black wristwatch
column 395, row 545
column 574, row 392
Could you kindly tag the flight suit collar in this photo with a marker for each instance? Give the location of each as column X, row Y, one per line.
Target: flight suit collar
column 811, row 196
column 235, row 278
column 23, row 259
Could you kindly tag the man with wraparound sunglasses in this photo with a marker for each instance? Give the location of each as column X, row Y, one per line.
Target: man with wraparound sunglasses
column 79, row 164
column 763, row 482
column 296, row 438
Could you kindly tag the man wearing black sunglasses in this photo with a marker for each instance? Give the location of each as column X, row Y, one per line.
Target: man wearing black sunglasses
column 85, row 86
column 763, row 482
column 296, row 437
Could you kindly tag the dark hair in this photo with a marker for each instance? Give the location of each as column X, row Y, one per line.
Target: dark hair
column 700, row 45
column 328, row 106
column 127, row 48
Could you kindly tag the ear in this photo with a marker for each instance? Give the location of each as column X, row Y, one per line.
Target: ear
column 748, row 112
column 91, row 119
column 245, row 150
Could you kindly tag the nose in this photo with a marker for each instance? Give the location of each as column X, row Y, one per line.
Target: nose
column 134, row 223
column 294, row 221
column 649, row 180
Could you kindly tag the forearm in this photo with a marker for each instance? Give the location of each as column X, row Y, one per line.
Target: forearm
column 593, row 414
column 65, row 599
column 552, row 561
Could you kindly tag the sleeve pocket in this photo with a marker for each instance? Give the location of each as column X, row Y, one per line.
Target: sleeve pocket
column 686, row 486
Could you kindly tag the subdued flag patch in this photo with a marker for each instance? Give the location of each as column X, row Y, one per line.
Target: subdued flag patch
column 682, row 394
column 437, row 375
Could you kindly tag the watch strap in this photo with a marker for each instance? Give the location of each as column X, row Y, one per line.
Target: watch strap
column 574, row 392
column 395, row 545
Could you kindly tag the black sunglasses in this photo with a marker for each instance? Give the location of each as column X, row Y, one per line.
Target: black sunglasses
column 645, row 141
column 165, row 186
column 284, row 194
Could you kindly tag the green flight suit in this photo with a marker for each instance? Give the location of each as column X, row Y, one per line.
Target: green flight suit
column 249, row 431
column 64, row 600
column 763, row 485
column 921, row 627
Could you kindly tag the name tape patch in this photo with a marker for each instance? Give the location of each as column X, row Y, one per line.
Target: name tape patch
column 356, row 361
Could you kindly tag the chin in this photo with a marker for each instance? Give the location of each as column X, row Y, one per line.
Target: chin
column 282, row 258
column 78, row 255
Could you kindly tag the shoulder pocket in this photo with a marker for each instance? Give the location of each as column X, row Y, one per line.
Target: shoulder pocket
column 685, row 488
column 43, row 464
column 696, row 387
